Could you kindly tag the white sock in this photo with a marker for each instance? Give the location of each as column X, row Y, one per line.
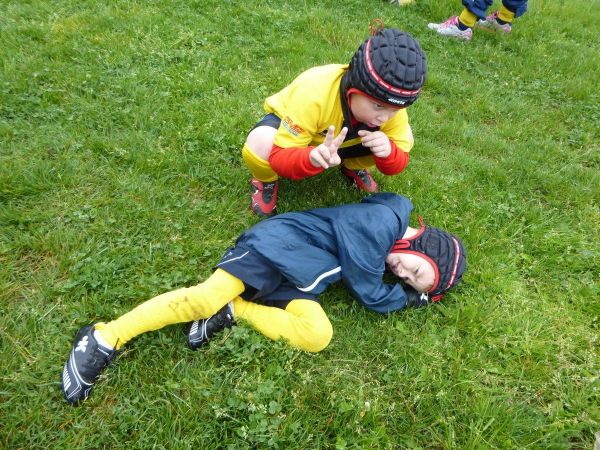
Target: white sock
column 100, row 340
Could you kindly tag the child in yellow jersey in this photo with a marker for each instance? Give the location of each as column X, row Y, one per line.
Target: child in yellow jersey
column 350, row 115
column 273, row 275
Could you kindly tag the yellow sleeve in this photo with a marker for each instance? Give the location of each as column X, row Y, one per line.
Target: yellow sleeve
column 307, row 106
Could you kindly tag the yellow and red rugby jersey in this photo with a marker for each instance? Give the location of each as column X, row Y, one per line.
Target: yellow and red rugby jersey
column 310, row 103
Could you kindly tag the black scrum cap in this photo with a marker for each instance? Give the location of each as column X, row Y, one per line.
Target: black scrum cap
column 443, row 250
column 390, row 66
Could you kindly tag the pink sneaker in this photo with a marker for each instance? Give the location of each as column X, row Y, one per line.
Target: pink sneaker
column 450, row 28
column 491, row 24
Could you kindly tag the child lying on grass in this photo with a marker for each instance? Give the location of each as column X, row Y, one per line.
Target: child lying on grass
column 272, row 276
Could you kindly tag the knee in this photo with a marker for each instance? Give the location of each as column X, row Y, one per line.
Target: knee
column 318, row 336
column 312, row 329
column 260, row 141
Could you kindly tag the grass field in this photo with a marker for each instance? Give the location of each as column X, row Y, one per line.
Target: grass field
column 121, row 125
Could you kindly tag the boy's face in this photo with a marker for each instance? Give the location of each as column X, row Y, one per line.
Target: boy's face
column 412, row 269
column 370, row 112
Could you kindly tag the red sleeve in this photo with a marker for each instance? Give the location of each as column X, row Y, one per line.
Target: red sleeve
column 293, row 162
column 395, row 163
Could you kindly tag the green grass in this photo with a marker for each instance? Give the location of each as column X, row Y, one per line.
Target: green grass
column 120, row 177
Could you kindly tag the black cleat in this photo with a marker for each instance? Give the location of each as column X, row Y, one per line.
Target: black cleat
column 86, row 361
column 201, row 331
column 264, row 197
column 361, row 178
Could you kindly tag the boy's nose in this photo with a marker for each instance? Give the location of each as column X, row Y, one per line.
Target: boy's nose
column 384, row 117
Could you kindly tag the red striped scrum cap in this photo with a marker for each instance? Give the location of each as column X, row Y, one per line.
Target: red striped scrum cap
column 444, row 251
column 390, row 66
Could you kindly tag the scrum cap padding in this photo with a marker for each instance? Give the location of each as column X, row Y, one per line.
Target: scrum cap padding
column 443, row 250
column 389, row 66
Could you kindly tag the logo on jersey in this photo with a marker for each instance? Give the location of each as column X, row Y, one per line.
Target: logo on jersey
column 294, row 129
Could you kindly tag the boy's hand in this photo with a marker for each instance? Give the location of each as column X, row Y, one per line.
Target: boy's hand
column 326, row 154
column 377, row 142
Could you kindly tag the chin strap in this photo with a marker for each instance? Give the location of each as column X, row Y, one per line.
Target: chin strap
column 416, row 299
column 399, row 245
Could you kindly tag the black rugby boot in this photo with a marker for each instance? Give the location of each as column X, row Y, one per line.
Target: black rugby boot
column 201, row 331
column 86, row 361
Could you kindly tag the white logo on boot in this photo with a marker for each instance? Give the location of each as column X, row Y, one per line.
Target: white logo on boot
column 82, row 344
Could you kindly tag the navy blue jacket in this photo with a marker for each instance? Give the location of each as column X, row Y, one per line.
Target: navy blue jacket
column 318, row 247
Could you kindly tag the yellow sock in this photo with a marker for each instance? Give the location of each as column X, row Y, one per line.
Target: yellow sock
column 360, row 162
column 467, row 17
column 505, row 14
column 179, row 306
column 303, row 323
column 260, row 169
